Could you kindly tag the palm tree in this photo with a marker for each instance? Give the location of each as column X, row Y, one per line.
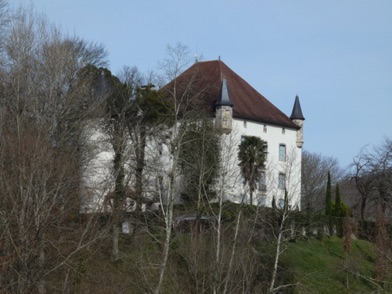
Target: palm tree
column 252, row 155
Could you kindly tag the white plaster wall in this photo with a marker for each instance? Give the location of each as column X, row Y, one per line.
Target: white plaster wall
column 274, row 136
column 98, row 179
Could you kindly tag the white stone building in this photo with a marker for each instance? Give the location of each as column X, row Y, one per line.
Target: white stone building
column 237, row 110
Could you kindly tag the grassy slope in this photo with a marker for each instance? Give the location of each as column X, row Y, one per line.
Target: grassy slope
column 321, row 266
column 314, row 266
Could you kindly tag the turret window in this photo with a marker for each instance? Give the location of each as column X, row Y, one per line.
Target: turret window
column 282, row 152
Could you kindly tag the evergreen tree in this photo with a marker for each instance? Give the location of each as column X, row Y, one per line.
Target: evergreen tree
column 199, row 159
column 328, row 197
column 338, row 212
column 338, row 203
column 273, row 203
column 328, row 204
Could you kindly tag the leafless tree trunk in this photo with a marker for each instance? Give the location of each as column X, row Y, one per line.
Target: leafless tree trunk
column 173, row 66
column 279, row 241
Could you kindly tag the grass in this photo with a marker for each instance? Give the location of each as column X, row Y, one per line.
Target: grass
column 311, row 265
column 322, row 266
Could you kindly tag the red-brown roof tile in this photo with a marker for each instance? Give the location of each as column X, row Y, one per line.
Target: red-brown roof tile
column 201, row 83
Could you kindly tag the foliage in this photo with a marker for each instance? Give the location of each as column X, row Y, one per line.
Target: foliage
column 152, row 107
column 345, row 210
column 337, row 209
column 252, row 155
column 337, row 212
column 199, row 159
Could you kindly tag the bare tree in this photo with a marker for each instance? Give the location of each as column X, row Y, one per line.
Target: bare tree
column 283, row 232
column 364, row 183
column 178, row 57
column 4, row 21
column 373, row 177
column 314, row 172
column 42, row 114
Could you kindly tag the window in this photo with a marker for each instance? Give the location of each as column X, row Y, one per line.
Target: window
column 281, row 203
column 262, row 202
column 265, row 128
column 282, row 181
column 282, row 152
column 245, row 124
column 262, row 182
column 283, row 131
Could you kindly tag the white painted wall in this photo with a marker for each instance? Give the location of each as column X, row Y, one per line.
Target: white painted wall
column 98, row 179
column 274, row 136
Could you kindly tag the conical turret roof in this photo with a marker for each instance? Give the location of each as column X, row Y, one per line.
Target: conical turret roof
column 297, row 111
column 224, row 97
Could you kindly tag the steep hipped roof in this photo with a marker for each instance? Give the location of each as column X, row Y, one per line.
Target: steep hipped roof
column 204, row 81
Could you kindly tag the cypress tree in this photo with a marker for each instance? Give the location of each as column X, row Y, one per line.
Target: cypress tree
column 338, row 212
column 328, row 205
column 338, row 203
column 328, row 201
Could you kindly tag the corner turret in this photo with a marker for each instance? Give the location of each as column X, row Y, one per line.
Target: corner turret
column 224, row 110
column 298, row 118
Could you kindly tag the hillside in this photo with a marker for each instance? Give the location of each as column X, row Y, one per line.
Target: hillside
column 320, row 266
column 311, row 266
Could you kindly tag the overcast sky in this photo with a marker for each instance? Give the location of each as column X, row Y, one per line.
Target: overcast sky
column 336, row 55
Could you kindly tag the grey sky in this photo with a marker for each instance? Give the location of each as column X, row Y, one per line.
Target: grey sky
column 336, row 55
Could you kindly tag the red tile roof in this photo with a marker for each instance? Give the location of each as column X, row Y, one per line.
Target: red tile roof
column 201, row 84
